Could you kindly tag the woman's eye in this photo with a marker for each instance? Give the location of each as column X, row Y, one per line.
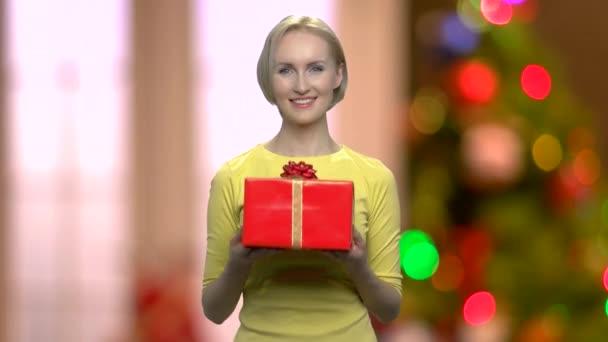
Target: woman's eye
column 317, row 68
column 284, row 71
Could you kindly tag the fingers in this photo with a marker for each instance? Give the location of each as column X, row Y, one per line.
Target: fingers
column 262, row 252
column 357, row 238
column 338, row 255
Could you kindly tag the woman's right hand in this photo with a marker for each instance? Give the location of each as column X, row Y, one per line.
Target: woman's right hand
column 244, row 257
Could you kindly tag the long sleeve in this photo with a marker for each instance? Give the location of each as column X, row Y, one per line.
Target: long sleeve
column 384, row 227
column 222, row 224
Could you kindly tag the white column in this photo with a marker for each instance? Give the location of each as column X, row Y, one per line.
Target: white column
column 375, row 42
column 162, row 176
column 372, row 115
column 3, row 186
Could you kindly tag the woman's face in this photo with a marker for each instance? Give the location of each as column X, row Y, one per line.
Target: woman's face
column 304, row 76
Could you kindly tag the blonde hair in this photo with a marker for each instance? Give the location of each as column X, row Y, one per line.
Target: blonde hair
column 292, row 23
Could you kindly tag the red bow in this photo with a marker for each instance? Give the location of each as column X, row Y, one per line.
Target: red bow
column 301, row 169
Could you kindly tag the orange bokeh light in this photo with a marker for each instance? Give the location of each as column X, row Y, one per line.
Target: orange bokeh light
column 586, row 167
column 450, row 273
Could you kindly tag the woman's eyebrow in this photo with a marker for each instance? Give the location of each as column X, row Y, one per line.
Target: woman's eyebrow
column 309, row 64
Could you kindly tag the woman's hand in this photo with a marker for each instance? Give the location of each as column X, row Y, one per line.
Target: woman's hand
column 380, row 298
column 355, row 259
column 244, row 257
column 221, row 297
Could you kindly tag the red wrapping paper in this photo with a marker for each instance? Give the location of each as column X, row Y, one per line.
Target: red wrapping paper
column 298, row 214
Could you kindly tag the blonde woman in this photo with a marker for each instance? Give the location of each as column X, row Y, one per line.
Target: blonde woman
column 304, row 295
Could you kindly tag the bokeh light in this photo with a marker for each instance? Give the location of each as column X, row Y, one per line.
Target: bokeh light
column 449, row 274
column 536, row 81
column 606, row 278
column 428, row 111
column 411, row 237
column 547, row 152
column 586, row 167
column 468, row 11
column 475, row 246
column 492, row 154
column 496, row 12
column 564, row 191
column 421, row 261
column 606, row 307
column 475, row 3
column 477, row 82
column 514, row 2
column 419, row 257
column 479, row 308
column 457, row 36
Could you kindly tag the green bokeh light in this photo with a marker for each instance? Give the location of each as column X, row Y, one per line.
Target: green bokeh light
column 411, row 237
column 606, row 307
column 420, row 261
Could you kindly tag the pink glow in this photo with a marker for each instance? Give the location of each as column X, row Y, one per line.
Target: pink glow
column 67, row 121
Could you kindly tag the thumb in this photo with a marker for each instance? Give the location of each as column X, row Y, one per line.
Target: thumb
column 356, row 235
column 238, row 235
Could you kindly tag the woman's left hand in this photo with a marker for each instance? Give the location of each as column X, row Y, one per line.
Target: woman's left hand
column 354, row 259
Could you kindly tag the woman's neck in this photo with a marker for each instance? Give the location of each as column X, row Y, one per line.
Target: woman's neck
column 303, row 141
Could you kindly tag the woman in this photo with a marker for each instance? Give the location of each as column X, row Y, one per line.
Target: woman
column 304, row 295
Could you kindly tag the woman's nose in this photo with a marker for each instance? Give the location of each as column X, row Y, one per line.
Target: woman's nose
column 302, row 86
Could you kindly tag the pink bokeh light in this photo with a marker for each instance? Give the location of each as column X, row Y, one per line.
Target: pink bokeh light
column 479, row 308
column 496, row 12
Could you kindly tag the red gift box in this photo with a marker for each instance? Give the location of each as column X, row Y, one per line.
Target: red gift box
column 298, row 213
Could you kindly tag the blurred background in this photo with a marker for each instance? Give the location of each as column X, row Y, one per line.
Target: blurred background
column 115, row 115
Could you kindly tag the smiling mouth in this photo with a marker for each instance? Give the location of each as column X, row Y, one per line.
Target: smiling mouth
column 303, row 102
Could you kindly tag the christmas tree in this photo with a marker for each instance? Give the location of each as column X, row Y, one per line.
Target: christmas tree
column 507, row 230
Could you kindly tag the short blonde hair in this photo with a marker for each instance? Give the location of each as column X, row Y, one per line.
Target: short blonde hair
column 292, row 23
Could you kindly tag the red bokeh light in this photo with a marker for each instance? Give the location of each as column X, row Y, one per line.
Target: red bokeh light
column 606, row 279
column 475, row 247
column 536, row 81
column 564, row 191
column 476, row 82
column 496, row 12
column 479, row 308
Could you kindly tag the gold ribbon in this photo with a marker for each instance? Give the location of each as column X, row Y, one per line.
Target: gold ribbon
column 296, row 214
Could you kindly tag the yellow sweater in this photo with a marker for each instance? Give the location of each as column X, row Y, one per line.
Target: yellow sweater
column 303, row 295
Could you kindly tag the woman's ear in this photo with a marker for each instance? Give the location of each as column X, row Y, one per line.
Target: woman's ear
column 339, row 76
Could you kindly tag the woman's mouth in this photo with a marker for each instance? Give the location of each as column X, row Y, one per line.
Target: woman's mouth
column 303, row 102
